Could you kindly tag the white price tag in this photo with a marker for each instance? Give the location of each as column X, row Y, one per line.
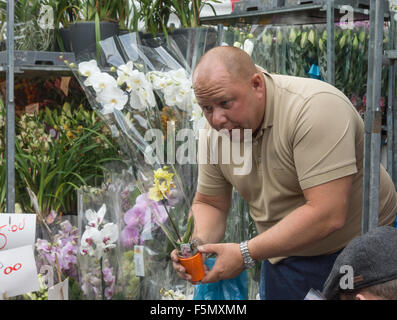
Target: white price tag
column 18, row 273
column 17, row 230
column 60, row 291
column 138, row 261
column 147, row 228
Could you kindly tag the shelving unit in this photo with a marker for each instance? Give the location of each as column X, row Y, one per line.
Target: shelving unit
column 27, row 63
column 328, row 12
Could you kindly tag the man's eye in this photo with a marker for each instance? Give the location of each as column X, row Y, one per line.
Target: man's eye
column 223, row 103
column 207, row 108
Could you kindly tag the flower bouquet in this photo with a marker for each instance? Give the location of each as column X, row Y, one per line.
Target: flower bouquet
column 145, row 96
column 189, row 256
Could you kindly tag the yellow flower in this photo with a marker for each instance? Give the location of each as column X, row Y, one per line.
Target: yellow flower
column 161, row 174
column 70, row 135
column 159, row 191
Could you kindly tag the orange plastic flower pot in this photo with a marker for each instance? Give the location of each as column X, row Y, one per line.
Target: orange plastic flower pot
column 194, row 266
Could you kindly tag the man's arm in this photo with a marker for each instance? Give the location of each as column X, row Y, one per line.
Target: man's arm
column 210, row 214
column 324, row 212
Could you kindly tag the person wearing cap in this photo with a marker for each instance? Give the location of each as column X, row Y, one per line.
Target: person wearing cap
column 301, row 176
column 366, row 269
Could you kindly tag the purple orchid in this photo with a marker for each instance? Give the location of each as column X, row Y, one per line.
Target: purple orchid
column 136, row 219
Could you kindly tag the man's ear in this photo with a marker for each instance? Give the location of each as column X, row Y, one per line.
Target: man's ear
column 257, row 81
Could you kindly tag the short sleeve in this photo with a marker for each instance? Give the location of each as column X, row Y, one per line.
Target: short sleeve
column 324, row 140
column 211, row 180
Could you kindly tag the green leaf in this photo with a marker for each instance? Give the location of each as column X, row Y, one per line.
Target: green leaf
column 189, row 230
column 97, row 37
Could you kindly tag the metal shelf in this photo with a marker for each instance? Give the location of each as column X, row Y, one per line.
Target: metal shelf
column 36, row 63
column 303, row 14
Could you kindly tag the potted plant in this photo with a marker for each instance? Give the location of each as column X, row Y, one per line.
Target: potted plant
column 86, row 22
column 188, row 254
column 156, row 15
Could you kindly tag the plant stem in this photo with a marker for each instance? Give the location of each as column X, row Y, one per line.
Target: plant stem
column 172, row 222
column 103, row 281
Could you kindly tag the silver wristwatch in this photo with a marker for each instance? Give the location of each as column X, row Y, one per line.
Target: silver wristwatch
column 248, row 261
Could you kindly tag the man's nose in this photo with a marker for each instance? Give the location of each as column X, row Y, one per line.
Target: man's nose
column 219, row 118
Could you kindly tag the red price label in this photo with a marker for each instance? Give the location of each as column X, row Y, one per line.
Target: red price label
column 16, row 267
column 20, row 226
column 13, row 228
column 3, row 238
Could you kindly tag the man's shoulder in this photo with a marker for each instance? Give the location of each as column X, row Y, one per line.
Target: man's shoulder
column 303, row 87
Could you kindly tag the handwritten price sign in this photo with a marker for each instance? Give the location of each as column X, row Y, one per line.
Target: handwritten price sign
column 18, row 273
column 17, row 230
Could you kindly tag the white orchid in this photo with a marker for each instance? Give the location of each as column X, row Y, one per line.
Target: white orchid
column 90, row 237
column 197, row 118
column 95, row 218
column 178, row 75
column 101, row 81
column 88, row 68
column 142, row 97
column 175, row 86
column 125, row 70
column 137, row 85
column 108, row 235
column 158, row 80
column 112, row 98
column 95, row 240
column 179, row 95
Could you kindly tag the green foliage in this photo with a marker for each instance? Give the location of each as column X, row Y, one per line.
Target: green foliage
column 56, row 152
column 292, row 50
column 129, row 280
column 75, row 292
column 29, row 34
column 156, row 13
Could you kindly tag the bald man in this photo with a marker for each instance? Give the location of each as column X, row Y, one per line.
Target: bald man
column 305, row 185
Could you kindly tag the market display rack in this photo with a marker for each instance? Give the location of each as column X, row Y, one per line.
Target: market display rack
column 308, row 12
column 280, row 12
column 38, row 62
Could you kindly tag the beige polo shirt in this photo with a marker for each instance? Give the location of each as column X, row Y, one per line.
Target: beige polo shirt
column 311, row 134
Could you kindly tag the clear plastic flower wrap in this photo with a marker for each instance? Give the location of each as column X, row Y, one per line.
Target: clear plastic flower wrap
column 56, row 251
column 99, row 244
column 145, row 95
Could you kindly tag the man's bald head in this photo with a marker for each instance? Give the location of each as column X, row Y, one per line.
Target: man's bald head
column 236, row 62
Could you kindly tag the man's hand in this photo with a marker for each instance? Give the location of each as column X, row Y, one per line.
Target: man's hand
column 228, row 264
column 180, row 269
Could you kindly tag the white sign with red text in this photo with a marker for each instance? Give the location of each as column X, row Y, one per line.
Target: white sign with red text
column 17, row 230
column 18, row 272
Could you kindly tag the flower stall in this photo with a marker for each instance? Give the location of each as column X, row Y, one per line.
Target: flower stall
column 108, row 164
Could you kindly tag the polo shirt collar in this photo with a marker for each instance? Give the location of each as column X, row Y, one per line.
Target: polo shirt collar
column 268, row 118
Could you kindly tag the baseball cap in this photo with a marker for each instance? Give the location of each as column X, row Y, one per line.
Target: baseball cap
column 372, row 257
